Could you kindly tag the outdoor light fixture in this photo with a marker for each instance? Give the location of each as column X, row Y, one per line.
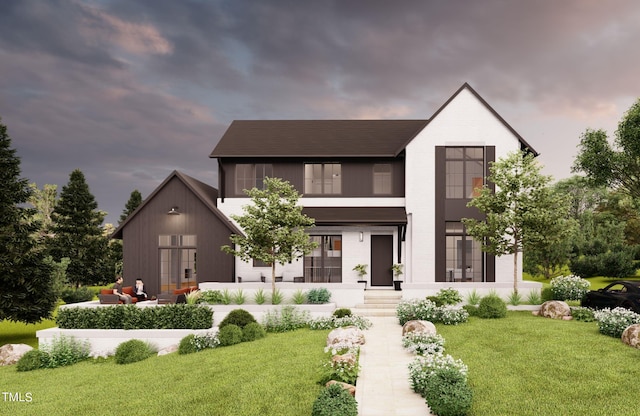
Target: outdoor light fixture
column 173, row 211
column 361, row 236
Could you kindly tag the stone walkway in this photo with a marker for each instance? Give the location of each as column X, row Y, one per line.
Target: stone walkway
column 383, row 387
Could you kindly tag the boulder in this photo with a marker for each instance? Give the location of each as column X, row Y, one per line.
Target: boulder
column 555, row 309
column 168, row 350
column 348, row 358
column 631, row 336
column 350, row 388
column 347, row 335
column 419, row 326
column 11, row 353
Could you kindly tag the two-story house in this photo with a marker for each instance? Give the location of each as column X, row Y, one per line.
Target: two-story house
column 382, row 192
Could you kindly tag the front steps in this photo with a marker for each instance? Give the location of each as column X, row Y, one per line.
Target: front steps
column 378, row 303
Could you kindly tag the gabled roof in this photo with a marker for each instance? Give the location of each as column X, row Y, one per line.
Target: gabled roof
column 331, row 138
column 322, row 138
column 205, row 193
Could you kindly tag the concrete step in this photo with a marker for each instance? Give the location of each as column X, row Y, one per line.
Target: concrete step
column 373, row 312
column 377, row 306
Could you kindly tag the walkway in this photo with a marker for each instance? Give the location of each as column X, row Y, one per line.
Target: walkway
column 383, row 387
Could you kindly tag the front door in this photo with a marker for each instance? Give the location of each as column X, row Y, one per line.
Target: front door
column 381, row 260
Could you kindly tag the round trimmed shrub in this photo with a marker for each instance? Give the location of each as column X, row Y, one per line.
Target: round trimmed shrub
column 342, row 312
column 237, row 317
column 187, row 345
column 335, row 401
column 132, row 351
column 33, row 360
column 253, row 331
column 318, row 295
column 492, row 307
column 448, row 393
column 230, row 334
column 73, row 295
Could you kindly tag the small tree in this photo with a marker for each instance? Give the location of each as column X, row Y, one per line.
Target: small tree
column 522, row 212
column 274, row 227
column 135, row 199
column 44, row 201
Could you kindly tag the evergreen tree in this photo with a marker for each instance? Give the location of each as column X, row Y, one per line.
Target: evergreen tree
column 134, row 202
column 44, row 201
column 26, row 289
column 78, row 234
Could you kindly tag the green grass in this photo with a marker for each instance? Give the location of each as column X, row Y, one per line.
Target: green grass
column 19, row 333
column 276, row 375
column 528, row 365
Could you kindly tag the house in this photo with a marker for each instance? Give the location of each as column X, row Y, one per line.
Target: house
column 382, row 192
column 164, row 235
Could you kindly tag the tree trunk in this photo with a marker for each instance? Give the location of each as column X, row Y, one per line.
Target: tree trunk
column 273, row 280
column 515, row 271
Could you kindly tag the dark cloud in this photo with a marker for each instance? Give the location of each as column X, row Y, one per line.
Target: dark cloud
column 128, row 90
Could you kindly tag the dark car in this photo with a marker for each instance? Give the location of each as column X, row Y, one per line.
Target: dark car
column 621, row 293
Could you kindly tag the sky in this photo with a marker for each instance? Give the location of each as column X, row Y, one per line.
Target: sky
column 129, row 90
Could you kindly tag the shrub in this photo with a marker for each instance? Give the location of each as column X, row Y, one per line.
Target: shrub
column 342, row 312
column 345, row 371
column 449, row 296
column 534, row 298
column 178, row 316
column 492, row 307
column 33, row 360
column 335, row 401
column 569, row 287
column 211, row 297
column 515, row 298
column 287, row 318
column 424, row 367
column 614, row 322
column 230, row 335
column 421, row 343
column 582, row 314
column 253, row 331
column 133, row 351
column 472, row 310
column 448, row 393
column 451, row 315
column 226, row 297
column 423, row 309
column 65, row 350
column 187, row 345
column 73, row 295
column 259, row 297
column 277, row 297
column 299, row 297
column 436, row 300
column 473, row 297
column 331, row 322
column 239, row 297
column 238, row 317
column 318, row 295
column 546, row 294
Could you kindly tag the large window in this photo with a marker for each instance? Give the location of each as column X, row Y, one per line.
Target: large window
column 322, row 178
column 251, row 175
column 324, row 264
column 382, row 179
column 464, row 172
column 178, row 261
column 464, row 256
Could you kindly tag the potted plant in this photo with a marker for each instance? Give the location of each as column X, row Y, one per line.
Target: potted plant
column 397, row 273
column 361, row 269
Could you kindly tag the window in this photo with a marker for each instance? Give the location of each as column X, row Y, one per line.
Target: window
column 464, row 256
column 322, row 178
column 249, row 175
column 178, row 261
column 464, row 172
column 382, row 179
column 324, row 264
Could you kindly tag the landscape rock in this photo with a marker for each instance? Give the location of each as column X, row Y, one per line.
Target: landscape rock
column 168, row 350
column 11, row 353
column 555, row 309
column 419, row 326
column 348, row 358
column 347, row 335
column 350, row 388
column 631, row 336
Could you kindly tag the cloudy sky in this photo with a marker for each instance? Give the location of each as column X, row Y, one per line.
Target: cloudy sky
column 129, row 90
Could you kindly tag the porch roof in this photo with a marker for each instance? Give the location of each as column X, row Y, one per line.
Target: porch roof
column 357, row 215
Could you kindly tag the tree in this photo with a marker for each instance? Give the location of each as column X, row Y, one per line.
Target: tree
column 44, row 201
column 274, row 227
column 26, row 290
column 607, row 166
column 78, row 235
column 522, row 213
column 135, row 199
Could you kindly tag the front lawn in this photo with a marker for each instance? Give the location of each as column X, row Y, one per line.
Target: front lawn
column 276, row 375
column 20, row 333
column 529, row 365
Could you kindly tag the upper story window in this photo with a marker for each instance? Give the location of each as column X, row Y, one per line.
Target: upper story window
column 251, row 175
column 382, row 179
column 322, row 178
column 464, row 172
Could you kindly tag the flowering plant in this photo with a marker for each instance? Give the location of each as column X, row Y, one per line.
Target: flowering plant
column 569, row 287
column 331, row 322
column 613, row 322
column 423, row 367
column 422, row 343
